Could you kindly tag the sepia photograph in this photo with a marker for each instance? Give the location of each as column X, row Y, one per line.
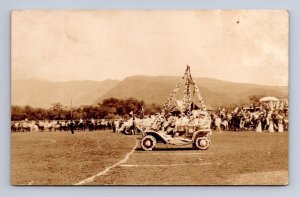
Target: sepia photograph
column 149, row 97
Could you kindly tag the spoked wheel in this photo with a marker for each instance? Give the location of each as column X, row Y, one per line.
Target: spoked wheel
column 148, row 142
column 201, row 143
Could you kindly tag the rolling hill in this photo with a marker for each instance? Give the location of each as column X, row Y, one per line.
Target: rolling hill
column 39, row 93
column 214, row 92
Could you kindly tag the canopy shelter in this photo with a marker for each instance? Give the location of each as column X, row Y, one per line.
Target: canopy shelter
column 269, row 101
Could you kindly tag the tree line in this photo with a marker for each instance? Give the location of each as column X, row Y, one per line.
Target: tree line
column 108, row 109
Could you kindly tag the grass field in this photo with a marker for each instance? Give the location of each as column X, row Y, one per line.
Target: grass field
column 106, row 158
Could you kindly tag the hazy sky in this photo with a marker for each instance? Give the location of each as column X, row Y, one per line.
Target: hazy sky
column 240, row 46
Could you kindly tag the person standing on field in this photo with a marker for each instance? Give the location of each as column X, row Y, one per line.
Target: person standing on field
column 218, row 123
column 72, row 126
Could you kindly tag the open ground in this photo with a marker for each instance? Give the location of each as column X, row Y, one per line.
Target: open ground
column 107, row 158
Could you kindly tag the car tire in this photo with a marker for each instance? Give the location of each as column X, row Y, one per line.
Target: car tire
column 148, row 143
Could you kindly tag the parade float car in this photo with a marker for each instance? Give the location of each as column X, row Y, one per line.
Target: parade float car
column 194, row 131
column 195, row 135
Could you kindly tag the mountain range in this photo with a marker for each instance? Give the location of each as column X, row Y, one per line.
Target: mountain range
column 41, row 93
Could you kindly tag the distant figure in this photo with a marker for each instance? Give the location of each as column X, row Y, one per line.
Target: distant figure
column 92, row 125
column 72, row 127
column 218, row 123
column 271, row 126
column 225, row 124
column 264, row 123
column 258, row 128
column 280, row 126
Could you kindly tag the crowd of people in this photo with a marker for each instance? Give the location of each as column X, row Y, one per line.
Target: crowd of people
column 239, row 119
column 61, row 125
column 250, row 118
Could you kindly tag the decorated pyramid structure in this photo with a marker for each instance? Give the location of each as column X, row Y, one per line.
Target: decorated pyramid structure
column 191, row 95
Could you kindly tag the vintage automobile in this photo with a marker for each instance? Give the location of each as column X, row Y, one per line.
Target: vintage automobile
column 199, row 139
column 197, row 135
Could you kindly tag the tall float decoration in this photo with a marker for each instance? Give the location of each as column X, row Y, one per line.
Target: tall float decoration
column 191, row 95
column 191, row 126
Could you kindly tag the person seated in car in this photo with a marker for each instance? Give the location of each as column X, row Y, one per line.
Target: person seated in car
column 169, row 124
column 193, row 121
column 204, row 121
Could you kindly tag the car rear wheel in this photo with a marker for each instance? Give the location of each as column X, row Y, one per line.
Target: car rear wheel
column 148, row 142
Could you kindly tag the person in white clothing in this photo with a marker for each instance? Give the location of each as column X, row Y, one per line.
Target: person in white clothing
column 280, row 126
column 218, row 123
column 258, row 128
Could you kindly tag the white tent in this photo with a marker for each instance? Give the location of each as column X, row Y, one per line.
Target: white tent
column 268, row 98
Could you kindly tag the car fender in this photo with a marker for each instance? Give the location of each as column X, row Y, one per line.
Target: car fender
column 201, row 133
column 158, row 136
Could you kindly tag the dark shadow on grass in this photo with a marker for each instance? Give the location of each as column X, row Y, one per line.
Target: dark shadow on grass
column 167, row 149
